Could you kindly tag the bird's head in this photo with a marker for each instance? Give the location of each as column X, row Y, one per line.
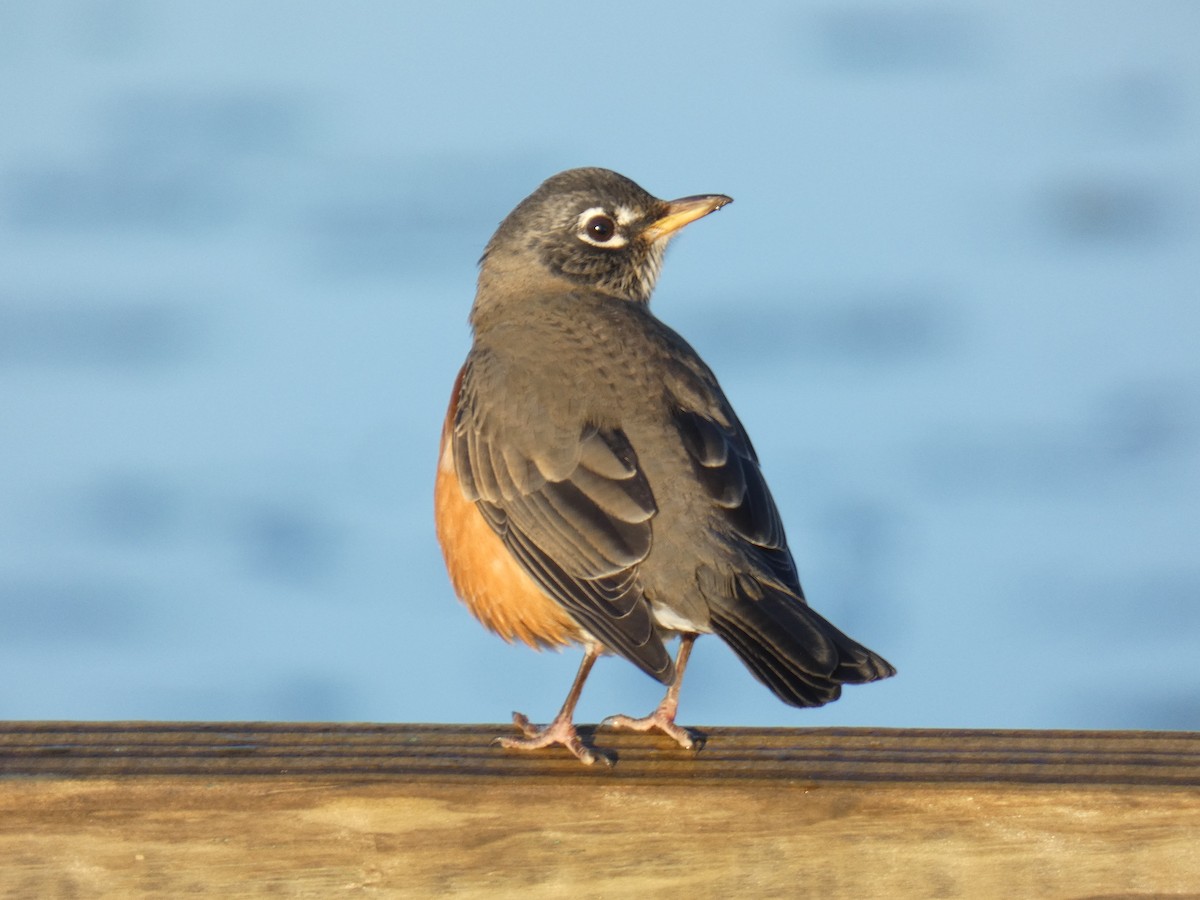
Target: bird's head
column 594, row 228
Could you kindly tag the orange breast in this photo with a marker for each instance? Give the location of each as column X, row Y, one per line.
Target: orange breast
column 499, row 593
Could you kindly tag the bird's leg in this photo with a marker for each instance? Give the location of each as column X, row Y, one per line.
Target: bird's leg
column 562, row 729
column 663, row 718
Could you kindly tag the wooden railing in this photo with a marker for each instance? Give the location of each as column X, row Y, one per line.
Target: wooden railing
column 248, row 810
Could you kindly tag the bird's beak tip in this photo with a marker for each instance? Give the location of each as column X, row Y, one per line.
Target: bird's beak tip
column 684, row 211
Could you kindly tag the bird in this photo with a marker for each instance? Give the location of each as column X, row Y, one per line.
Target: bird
column 595, row 486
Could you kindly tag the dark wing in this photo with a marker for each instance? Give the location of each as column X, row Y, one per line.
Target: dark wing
column 758, row 609
column 727, row 466
column 574, row 509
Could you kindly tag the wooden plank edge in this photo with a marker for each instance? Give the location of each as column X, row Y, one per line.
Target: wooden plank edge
column 369, row 751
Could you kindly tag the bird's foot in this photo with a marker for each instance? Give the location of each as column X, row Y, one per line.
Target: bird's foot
column 560, row 731
column 662, row 719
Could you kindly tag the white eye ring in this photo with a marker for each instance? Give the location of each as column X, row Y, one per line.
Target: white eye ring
column 598, row 228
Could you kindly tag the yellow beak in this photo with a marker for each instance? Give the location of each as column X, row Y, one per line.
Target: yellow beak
column 682, row 211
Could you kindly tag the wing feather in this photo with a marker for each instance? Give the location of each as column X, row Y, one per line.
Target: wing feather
column 727, row 466
column 575, row 511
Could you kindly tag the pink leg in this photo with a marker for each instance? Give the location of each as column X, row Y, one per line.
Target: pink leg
column 562, row 729
column 663, row 718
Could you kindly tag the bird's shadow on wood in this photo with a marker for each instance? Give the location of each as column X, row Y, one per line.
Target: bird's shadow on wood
column 634, row 744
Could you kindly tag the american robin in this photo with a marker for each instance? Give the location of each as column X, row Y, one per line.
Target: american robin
column 594, row 486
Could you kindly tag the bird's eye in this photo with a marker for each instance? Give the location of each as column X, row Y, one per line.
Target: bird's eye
column 596, row 227
column 600, row 228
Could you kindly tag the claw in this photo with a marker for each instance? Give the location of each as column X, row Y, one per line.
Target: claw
column 560, row 731
column 659, row 720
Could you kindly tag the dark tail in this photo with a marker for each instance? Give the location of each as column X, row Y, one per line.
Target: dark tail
column 790, row 648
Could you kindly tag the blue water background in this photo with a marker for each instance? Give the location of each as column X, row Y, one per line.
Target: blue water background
column 956, row 304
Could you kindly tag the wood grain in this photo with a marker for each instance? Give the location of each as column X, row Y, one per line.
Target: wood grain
column 249, row 810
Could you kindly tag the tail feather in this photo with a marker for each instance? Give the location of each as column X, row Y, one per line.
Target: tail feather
column 791, row 684
column 790, row 648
